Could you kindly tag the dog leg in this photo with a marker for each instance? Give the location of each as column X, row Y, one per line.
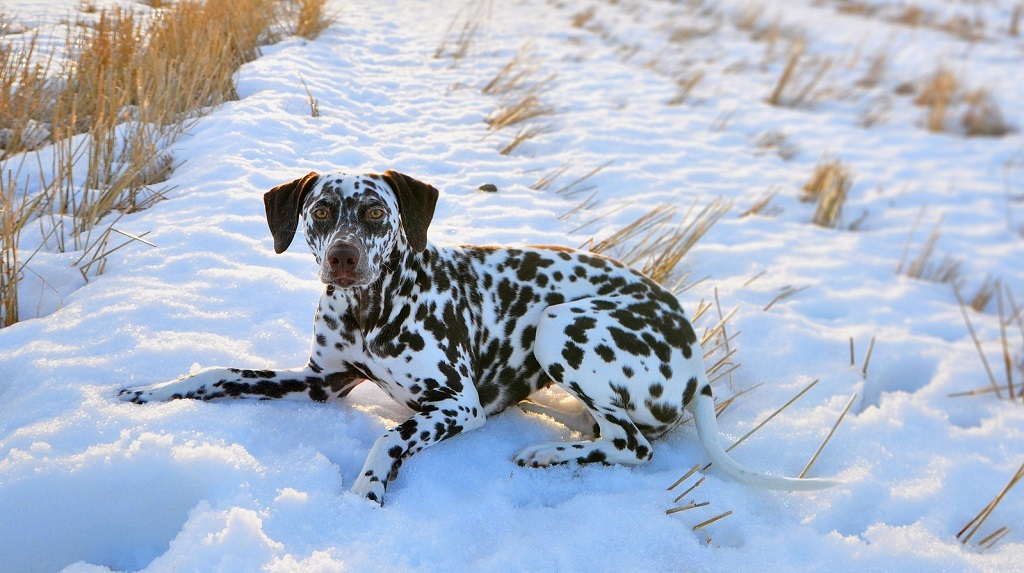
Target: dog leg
column 218, row 383
column 436, row 421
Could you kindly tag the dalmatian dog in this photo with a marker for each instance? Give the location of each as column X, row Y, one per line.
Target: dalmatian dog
column 458, row 334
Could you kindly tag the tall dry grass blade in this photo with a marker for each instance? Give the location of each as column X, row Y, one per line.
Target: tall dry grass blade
column 572, row 188
column 995, row 537
column 690, row 489
column 906, row 245
column 786, row 293
column 985, row 293
column 817, row 452
column 977, row 343
column 984, row 514
column 977, row 391
column 704, row 524
column 686, row 507
column 775, row 413
column 761, row 206
column 751, row 280
column 867, row 358
column 1007, row 360
column 692, row 471
column 795, row 52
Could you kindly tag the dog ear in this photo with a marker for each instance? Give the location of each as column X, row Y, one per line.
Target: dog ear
column 416, row 202
column 283, row 204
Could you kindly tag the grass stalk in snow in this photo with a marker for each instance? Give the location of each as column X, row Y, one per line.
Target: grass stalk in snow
column 468, row 22
column 975, row 524
column 658, row 242
column 784, row 294
column 824, row 442
column 921, row 267
column 686, row 507
column 687, row 492
column 11, row 220
column 314, row 104
column 708, row 522
column 684, row 87
column 797, row 84
column 977, row 343
column 1007, row 360
column 521, row 101
column 828, row 187
column 307, row 18
column 986, row 291
column 773, row 414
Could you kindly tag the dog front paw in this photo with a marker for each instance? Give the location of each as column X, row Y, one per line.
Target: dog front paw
column 163, row 392
column 369, row 487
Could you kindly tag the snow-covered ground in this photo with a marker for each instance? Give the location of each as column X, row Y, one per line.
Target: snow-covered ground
column 93, row 484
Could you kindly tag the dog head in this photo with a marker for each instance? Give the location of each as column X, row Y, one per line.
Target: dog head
column 352, row 223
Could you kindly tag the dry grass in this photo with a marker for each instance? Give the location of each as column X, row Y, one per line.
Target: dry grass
column 943, row 94
column 776, row 142
column 828, row 187
column 521, row 90
column 922, row 266
column 572, row 188
column 975, row 524
column 129, row 88
column 684, row 87
column 314, row 104
column 1010, row 315
column 656, row 242
column 763, row 205
column 462, row 31
column 797, row 86
column 937, row 94
column 307, row 18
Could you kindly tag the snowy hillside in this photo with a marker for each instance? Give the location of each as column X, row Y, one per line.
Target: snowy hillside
column 659, row 102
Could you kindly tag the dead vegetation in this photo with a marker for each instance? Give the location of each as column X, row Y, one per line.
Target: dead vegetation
column 951, row 107
column 520, row 87
column 922, row 266
column 129, row 86
column 658, row 240
column 828, row 188
column 798, row 84
column 463, row 30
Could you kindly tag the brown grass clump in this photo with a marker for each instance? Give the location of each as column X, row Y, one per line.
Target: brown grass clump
column 798, row 83
column 466, row 24
column 922, row 267
column 937, row 94
column 975, row 524
column 307, row 18
column 521, row 99
column 943, row 93
column 131, row 86
column 660, row 243
column 829, row 187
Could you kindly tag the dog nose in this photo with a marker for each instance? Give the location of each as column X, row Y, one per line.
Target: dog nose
column 343, row 258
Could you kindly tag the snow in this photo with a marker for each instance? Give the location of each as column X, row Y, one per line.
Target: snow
column 91, row 484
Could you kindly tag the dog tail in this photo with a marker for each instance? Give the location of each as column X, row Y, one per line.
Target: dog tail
column 703, row 409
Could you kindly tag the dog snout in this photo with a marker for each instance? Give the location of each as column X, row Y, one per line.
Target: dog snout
column 343, row 258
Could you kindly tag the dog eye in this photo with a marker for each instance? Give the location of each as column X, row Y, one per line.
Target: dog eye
column 321, row 213
column 375, row 213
